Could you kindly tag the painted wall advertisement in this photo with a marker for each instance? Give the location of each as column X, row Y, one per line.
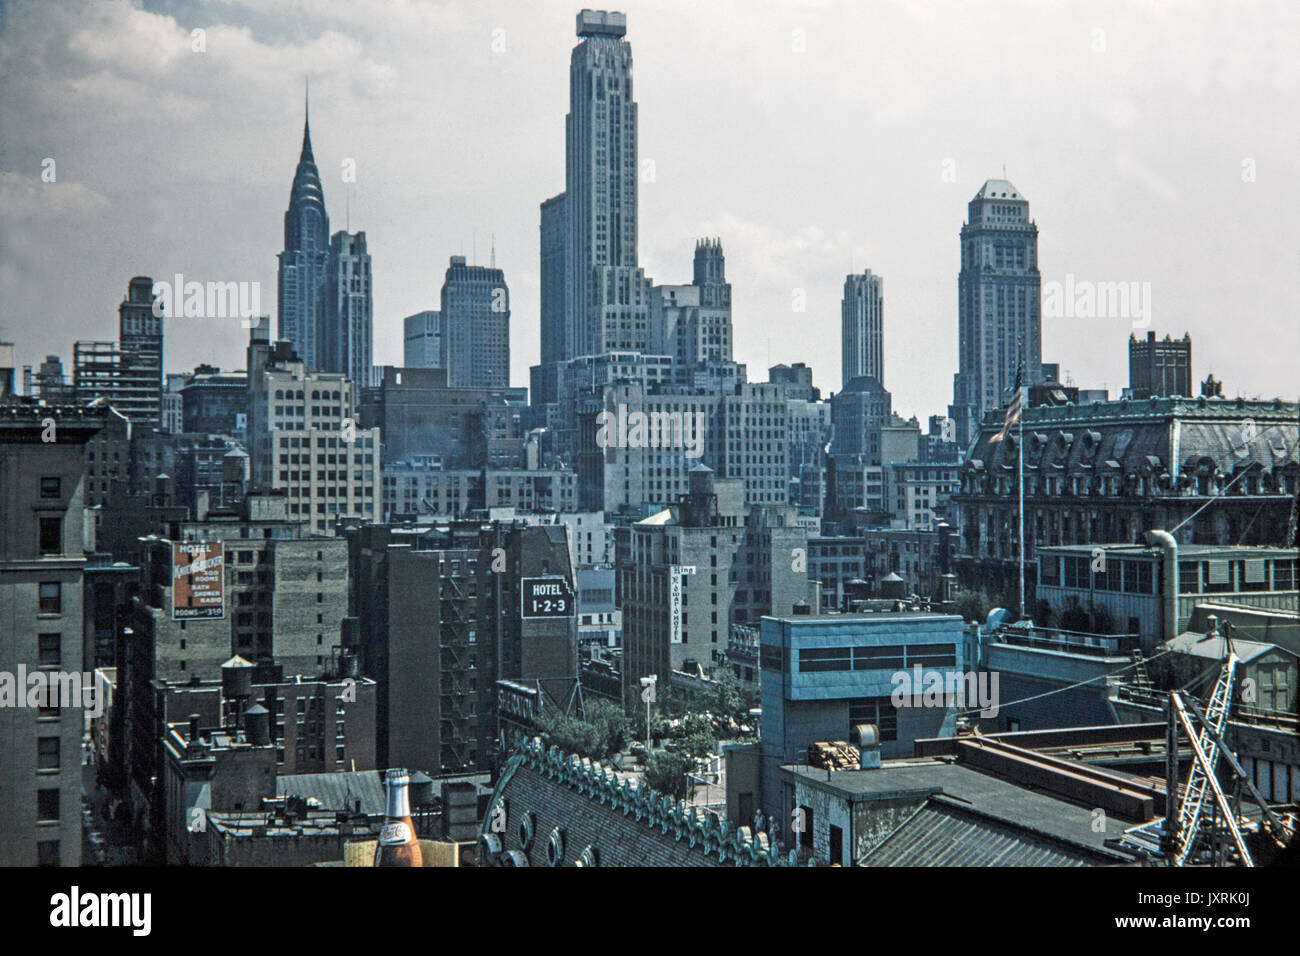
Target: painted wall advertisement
column 198, row 580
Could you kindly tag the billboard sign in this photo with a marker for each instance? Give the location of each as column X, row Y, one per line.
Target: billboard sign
column 548, row 597
column 198, row 580
column 675, row 573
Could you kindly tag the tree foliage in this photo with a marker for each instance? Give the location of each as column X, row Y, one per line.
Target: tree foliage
column 604, row 733
column 666, row 772
column 973, row 606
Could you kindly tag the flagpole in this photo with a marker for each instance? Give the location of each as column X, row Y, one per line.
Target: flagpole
column 1020, row 443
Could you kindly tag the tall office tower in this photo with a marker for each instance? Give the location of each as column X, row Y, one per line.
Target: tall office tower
column 128, row 373
column 862, row 323
column 422, row 340
column 347, row 342
column 476, row 326
column 304, row 262
column 41, row 584
column 998, row 303
column 858, row 414
column 544, row 376
column 713, row 333
column 304, row 439
column 608, row 295
column 1159, row 368
column 554, row 230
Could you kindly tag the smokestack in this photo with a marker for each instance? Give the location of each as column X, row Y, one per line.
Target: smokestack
column 194, row 728
column 1169, row 583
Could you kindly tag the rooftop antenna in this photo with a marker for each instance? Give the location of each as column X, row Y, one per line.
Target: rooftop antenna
column 474, row 247
column 494, row 250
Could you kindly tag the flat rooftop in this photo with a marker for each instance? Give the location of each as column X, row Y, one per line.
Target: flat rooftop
column 863, row 616
column 1184, row 550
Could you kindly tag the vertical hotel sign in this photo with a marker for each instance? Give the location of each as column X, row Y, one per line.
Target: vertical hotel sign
column 198, row 580
column 675, row 572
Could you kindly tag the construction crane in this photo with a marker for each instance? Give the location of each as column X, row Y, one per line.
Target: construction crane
column 1175, row 837
column 1182, row 829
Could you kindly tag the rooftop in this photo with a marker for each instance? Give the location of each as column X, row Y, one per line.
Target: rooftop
column 993, row 798
column 998, row 189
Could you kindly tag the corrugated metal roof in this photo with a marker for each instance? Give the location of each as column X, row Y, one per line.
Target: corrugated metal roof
column 1212, row 647
column 336, row 791
column 943, row 834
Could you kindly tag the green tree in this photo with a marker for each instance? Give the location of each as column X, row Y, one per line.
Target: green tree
column 613, row 726
column 973, row 605
column 729, row 701
column 1103, row 622
column 696, row 737
column 666, row 772
column 1075, row 618
column 1043, row 613
column 604, row 733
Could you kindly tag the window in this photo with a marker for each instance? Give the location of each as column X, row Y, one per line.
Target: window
column 47, row 805
column 52, row 487
column 49, row 650
column 816, row 659
column 47, row 753
column 932, row 655
column 47, row 853
column 1137, row 577
column 50, row 535
column 878, row 658
column 1077, row 573
column 51, row 599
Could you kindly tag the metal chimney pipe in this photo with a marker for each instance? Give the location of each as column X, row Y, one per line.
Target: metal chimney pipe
column 1169, row 586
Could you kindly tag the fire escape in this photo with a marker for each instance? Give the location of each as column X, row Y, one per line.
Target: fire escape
column 458, row 667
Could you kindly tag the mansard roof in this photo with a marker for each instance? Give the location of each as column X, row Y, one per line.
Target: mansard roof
column 1150, row 436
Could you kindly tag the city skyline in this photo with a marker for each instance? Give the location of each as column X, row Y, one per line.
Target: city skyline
column 799, row 244
column 753, row 572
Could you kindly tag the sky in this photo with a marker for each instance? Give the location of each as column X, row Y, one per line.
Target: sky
column 1157, row 144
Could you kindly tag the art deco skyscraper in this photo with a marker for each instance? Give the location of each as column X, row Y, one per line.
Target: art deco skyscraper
column 304, row 261
column 998, row 304
column 347, row 340
column 862, row 315
column 608, row 295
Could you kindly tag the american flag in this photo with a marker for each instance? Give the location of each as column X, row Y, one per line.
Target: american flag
column 1014, row 410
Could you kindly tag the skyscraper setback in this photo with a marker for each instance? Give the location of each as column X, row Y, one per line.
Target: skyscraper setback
column 862, row 328
column 608, row 294
column 303, row 263
column 998, row 302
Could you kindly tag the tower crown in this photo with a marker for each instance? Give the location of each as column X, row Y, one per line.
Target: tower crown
column 593, row 23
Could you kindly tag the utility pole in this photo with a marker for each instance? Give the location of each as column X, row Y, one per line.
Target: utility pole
column 648, row 695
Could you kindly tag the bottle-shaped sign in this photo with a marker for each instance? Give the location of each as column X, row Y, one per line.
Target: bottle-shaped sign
column 397, row 843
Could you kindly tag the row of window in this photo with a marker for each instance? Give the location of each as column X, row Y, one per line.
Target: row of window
column 876, row 657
